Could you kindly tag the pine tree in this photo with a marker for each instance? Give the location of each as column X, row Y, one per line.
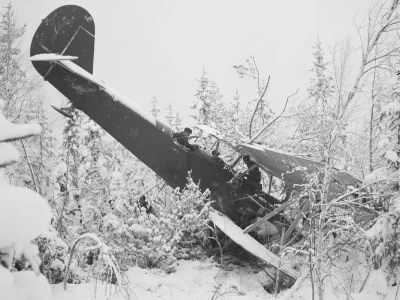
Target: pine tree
column 202, row 106
column 207, row 107
column 235, row 108
column 234, row 119
column 215, row 100
column 18, row 89
column 315, row 125
column 321, row 84
column 177, row 121
column 154, row 107
column 388, row 128
column 170, row 114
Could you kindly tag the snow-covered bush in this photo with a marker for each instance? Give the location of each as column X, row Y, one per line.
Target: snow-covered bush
column 54, row 255
column 384, row 243
column 102, row 264
column 178, row 232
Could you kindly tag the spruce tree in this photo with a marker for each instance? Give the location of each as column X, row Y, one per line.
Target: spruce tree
column 170, row 115
column 178, row 121
column 202, row 106
column 315, row 125
column 155, row 107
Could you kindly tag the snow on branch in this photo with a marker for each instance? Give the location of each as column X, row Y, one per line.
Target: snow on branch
column 108, row 257
column 11, row 132
column 381, row 21
column 8, row 155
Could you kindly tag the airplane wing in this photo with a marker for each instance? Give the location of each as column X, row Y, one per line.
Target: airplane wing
column 295, row 170
column 289, row 168
column 207, row 130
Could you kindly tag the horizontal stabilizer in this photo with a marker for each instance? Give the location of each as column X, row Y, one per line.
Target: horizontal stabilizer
column 61, row 111
column 52, row 57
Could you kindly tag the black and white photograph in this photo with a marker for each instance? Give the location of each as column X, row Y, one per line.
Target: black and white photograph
column 182, row 149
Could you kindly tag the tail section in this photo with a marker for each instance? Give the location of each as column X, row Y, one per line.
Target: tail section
column 68, row 31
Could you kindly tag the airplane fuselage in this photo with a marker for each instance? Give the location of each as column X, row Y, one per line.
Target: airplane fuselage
column 70, row 31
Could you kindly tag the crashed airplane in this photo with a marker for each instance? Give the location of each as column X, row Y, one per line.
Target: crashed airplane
column 62, row 52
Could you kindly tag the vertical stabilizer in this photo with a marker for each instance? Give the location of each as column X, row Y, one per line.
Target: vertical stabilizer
column 69, row 31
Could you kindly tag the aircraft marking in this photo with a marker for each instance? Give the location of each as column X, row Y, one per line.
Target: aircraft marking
column 134, row 133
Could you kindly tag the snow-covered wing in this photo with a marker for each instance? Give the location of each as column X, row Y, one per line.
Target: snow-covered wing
column 292, row 169
column 250, row 244
column 207, row 130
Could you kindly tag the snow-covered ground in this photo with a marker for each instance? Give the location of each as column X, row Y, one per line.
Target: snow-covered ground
column 192, row 280
column 206, row 280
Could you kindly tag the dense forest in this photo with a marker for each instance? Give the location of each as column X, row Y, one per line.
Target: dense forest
column 70, row 205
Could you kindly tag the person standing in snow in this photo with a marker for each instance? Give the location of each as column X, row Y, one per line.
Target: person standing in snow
column 149, row 209
column 252, row 180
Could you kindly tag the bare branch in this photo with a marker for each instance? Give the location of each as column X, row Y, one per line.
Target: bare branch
column 30, row 168
column 274, row 120
column 258, row 102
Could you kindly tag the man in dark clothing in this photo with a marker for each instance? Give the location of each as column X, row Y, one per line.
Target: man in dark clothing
column 215, row 155
column 182, row 138
column 149, row 209
column 252, row 180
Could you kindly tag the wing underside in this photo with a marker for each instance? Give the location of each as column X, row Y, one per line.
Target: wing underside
column 296, row 170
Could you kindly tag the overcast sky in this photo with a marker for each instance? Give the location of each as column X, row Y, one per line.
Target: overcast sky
column 149, row 49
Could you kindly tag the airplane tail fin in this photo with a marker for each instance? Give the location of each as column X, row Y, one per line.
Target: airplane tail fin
column 68, row 31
